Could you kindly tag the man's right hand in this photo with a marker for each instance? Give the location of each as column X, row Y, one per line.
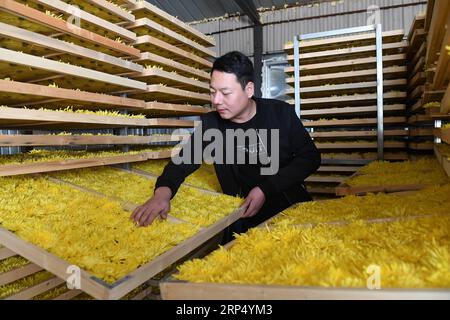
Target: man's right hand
column 158, row 205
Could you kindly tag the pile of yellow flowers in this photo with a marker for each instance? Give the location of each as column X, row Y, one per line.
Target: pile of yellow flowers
column 189, row 204
column 204, row 178
column 39, row 155
column 422, row 171
column 446, row 126
column 409, row 254
column 85, row 230
column 433, row 200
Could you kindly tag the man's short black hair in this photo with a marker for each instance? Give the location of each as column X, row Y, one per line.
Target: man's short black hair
column 238, row 64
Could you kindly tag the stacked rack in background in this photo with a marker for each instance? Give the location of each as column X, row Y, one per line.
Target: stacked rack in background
column 338, row 90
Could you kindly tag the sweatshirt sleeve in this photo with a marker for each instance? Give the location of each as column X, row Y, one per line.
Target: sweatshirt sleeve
column 305, row 159
column 175, row 172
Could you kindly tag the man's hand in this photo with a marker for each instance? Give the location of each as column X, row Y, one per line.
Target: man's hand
column 253, row 202
column 158, row 205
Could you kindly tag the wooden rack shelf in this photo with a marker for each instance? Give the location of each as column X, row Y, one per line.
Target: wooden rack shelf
column 73, row 140
column 27, row 68
column 350, row 111
column 154, row 45
column 86, row 20
column 443, row 160
column 348, row 88
column 349, row 53
column 104, row 9
column 162, row 93
column 19, row 15
column 348, row 77
column 41, row 119
column 171, row 79
column 357, row 134
column 148, row 58
column 145, row 9
column 347, row 41
column 145, row 26
column 22, row 40
column 49, row 166
column 357, row 99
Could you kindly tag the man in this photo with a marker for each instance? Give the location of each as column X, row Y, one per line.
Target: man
column 293, row 155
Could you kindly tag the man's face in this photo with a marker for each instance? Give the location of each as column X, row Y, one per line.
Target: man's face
column 227, row 95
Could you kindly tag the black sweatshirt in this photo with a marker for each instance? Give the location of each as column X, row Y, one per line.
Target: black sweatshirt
column 298, row 156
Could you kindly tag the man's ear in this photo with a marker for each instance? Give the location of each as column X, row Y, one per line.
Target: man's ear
column 250, row 89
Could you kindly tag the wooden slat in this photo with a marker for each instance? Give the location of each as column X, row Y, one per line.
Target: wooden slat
column 359, row 145
column 347, row 65
column 344, row 189
column 419, row 118
column 347, row 53
column 441, row 10
column 348, row 88
column 418, row 67
column 346, row 134
column 420, row 132
column 338, row 169
column 421, row 145
column 26, row 118
column 168, row 109
column 352, row 76
column 145, row 9
column 28, row 168
column 5, row 253
column 443, row 134
column 141, row 295
column 55, row 67
column 54, row 140
column 333, row 179
column 416, row 80
column 418, row 23
column 180, row 290
column 87, row 20
column 151, row 44
column 357, row 99
column 351, row 122
column 171, row 65
column 417, row 55
column 166, row 94
column 19, row 273
column 28, row 94
column 21, row 16
column 37, row 289
column 445, row 105
column 340, row 42
column 442, row 76
column 174, row 80
column 104, row 9
column 69, row 295
column 145, row 26
column 313, row 113
column 444, row 161
column 29, row 42
column 417, row 39
column 368, row 157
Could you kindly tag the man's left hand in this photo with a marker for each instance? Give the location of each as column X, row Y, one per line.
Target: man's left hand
column 253, row 202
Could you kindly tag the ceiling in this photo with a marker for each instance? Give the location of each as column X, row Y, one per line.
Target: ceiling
column 195, row 10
